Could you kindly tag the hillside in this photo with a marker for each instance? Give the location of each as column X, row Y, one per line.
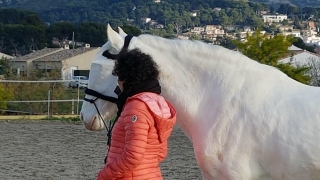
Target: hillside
column 299, row 3
column 119, row 12
column 116, row 12
column 39, row 5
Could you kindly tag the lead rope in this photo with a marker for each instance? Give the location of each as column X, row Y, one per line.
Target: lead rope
column 109, row 138
column 108, row 130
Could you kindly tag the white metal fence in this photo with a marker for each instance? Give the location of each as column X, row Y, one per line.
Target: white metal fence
column 74, row 102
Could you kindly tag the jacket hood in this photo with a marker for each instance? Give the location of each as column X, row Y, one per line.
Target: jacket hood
column 163, row 113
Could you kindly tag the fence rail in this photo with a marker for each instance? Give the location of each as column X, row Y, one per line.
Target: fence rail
column 35, row 101
column 27, row 103
column 47, row 81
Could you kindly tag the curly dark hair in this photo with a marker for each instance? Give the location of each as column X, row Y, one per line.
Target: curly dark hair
column 135, row 67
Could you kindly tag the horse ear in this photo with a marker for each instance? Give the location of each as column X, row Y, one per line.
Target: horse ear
column 121, row 32
column 114, row 38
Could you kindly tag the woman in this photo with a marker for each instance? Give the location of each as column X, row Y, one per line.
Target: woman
column 145, row 121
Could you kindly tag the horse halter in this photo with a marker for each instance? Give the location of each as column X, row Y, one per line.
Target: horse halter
column 117, row 90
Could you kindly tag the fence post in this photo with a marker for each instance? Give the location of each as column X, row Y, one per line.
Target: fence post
column 78, row 95
column 72, row 106
column 48, row 103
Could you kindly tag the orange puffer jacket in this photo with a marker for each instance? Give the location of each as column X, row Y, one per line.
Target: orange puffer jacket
column 139, row 139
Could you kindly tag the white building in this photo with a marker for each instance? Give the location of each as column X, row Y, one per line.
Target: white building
column 294, row 48
column 294, row 33
column 306, row 58
column 311, row 40
column 145, row 19
column 274, row 18
column 197, row 30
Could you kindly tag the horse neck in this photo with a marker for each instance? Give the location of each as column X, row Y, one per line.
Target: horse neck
column 189, row 77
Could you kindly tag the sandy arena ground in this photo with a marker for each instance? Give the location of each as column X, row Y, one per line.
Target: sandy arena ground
column 56, row 150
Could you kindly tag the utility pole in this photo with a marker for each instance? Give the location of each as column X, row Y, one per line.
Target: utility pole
column 78, row 96
column 73, row 43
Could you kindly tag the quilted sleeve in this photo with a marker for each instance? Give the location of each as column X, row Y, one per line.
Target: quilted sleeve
column 137, row 128
column 163, row 151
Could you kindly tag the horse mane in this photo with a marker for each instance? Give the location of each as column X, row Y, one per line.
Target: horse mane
column 207, row 53
column 193, row 46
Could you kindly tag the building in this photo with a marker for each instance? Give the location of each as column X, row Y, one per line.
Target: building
column 195, row 13
column 311, row 25
column 294, row 33
column 197, row 30
column 286, row 28
column 274, row 18
column 306, row 58
column 24, row 64
column 311, row 40
column 145, row 20
column 66, row 60
column 300, row 58
column 295, row 49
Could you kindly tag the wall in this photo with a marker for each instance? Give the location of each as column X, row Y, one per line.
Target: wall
column 82, row 61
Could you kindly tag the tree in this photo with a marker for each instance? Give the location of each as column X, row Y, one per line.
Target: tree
column 4, row 66
column 92, row 33
column 285, row 22
column 300, row 44
column 226, row 42
column 5, row 95
column 266, row 50
column 61, row 30
column 131, row 30
column 314, row 72
column 37, row 91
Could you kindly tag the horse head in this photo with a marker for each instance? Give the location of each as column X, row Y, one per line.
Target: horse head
column 100, row 99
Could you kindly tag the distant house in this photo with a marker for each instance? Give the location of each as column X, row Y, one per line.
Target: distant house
column 157, row 1
column 153, row 22
column 306, row 58
column 243, row 35
column 24, row 64
column 264, row 12
column 211, row 29
column 274, row 18
column 295, row 49
column 145, row 20
column 247, row 28
column 285, row 28
column 159, row 26
column 295, row 33
column 311, row 40
column 66, row 60
column 197, row 30
column 183, row 37
column 311, row 25
column 195, row 13
column 308, row 32
column 231, row 27
column 301, row 58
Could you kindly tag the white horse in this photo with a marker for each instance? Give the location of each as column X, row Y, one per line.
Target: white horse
column 246, row 120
